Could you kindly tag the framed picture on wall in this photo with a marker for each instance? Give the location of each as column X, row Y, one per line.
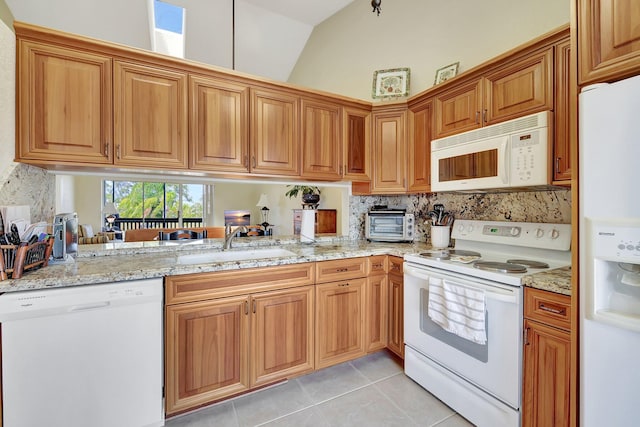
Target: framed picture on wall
column 391, row 83
column 445, row 73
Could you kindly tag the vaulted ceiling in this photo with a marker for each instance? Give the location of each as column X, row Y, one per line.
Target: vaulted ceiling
column 269, row 35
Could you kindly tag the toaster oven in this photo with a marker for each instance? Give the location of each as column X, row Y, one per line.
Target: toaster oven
column 389, row 225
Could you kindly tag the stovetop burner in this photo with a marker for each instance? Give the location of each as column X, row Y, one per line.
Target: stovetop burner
column 452, row 254
column 528, row 263
column 500, row 267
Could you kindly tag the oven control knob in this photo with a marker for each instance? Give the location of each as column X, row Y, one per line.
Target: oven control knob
column 515, row 231
column 554, row 234
column 539, row 232
column 470, row 228
column 461, row 228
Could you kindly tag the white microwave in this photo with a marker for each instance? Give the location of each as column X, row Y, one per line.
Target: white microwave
column 510, row 154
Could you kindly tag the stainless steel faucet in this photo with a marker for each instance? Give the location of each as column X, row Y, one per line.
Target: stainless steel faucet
column 230, row 234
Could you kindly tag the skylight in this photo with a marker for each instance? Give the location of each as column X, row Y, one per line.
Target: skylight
column 167, row 28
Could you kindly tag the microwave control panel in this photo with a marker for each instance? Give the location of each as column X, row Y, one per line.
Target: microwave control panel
column 529, row 158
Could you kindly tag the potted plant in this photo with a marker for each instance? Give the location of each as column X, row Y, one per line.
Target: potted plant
column 310, row 194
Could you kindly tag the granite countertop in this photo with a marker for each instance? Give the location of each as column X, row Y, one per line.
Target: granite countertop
column 557, row 280
column 116, row 262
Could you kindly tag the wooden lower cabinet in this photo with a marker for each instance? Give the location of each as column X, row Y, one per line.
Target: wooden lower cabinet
column 547, row 360
column 282, row 334
column 206, row 352
column 395, row 337
column 376, row 315
column 340, row 315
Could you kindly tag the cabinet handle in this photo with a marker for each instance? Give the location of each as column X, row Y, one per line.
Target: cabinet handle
column 526, row 336
column 484, row 116
column 254, row 306
column 106, row 149
column 246, row 161
column 246, row 307
column 377, row 265
column 395, row 267
column 343, row 284
column 253, row 158
column 477, row 117
column 341, row 270
column 118, row 151
column 557, row 164
column 561, row 311
column 345, row 170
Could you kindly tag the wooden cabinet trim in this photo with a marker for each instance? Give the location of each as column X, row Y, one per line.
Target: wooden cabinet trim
column 219, row 284
column 377, row 264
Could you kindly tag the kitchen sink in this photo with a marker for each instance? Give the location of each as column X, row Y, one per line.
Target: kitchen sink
column 237, row 255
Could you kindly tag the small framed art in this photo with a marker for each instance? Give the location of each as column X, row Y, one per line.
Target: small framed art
column 445, row 73
column 390, row 83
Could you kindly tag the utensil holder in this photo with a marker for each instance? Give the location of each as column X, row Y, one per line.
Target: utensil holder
column 440, row 236
column 16, row 259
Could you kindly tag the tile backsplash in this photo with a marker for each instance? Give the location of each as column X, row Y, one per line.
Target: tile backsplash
column 552, row 206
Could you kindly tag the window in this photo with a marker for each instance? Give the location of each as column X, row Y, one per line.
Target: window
column 167, row 28
column 155, row 204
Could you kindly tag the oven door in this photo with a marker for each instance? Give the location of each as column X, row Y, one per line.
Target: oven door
column 471, row 166
column 494, row 367
column 385, row 227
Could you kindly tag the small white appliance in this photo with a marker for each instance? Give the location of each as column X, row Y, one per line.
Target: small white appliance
column 506, row 155
column 83, row 356
column 389, row 224
column 479, row 377
column 65, row 236
column 609, row 150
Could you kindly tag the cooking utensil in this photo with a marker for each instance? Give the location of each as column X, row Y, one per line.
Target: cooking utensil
column 439, row 208
column 14, row 235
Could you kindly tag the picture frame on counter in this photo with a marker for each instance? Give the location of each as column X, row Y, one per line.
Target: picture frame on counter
column 446, row 72
column 391, row 83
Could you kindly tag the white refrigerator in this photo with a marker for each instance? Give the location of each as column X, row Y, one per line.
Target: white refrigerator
column 609, row 179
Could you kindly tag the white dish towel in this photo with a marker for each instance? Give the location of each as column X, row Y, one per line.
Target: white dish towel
column 458, row 309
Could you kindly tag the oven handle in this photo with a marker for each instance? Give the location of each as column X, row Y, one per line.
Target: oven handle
column 491, row 292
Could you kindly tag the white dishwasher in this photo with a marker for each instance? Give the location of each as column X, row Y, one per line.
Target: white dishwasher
column 83, row 356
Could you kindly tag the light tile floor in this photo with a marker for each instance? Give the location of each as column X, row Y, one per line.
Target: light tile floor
column 371, row 391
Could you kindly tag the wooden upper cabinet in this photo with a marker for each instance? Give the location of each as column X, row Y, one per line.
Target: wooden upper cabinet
column 608, row 40
column 64, row 105
column 419, row 147
column 356, row 140
column 459, row 109
column 522, row 87
column 562, row 103
column 219, row 131
column 274, row 133
column 389, row 147
column 321, row 140
column 150, row 110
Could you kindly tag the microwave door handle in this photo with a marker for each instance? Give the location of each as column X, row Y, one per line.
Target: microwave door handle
column 503, row 166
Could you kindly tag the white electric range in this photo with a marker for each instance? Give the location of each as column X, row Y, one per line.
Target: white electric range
column 474, row 364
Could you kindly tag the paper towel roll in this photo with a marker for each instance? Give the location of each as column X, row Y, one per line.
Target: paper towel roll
column 308, row 225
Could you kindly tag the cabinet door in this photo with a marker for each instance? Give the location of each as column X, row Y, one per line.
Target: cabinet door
column 64, row 111
column 609, row 40
column 524, row 87
column 395, row 340
column 282, row 334
column 340, row 315
column 562, row 142
column 419, row 147
column 376, row 316
column 459, row 109
column 274, row 133
column 357, row 144
column 389, row 145
column 150, row 109
column 321, row 140
column 218, row 112
column 545, row 400
column 207, row 345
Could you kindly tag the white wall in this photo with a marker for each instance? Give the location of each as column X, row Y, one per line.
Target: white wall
column 424, row 35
